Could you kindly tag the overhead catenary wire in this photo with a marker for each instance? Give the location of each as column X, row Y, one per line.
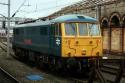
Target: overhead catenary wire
column 54, row 8
column 19, row 8
column 46, row 9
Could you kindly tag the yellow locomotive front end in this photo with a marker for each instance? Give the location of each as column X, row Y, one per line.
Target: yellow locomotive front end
column 81, row 39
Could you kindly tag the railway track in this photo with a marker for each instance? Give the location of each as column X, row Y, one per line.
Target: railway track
column 5, row 77
column 3, row 47
column 4, row 43
column 111, row 69
column 114, row 73
column 4, row 74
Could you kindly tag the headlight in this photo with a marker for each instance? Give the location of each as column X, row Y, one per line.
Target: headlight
column 69, row 54
column 97, row 53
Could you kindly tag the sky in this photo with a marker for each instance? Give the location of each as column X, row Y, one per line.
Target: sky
column 34, row 8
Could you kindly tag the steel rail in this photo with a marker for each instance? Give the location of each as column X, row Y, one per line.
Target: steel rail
column 9, row 75
column 5, row 72
column 110, row 70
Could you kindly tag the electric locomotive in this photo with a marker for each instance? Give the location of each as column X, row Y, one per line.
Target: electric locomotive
column 66, row 41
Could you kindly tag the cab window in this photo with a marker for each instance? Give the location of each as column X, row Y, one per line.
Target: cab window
column 94, row 29
column 82, row 27
column 70, row 29
column 55, row 30
column 52, row 30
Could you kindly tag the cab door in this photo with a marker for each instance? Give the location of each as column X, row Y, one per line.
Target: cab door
column 55, row 39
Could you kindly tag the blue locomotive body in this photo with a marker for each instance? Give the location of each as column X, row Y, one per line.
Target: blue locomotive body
column 62, row 41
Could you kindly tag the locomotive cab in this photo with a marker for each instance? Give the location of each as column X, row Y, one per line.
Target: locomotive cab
column 81, row 39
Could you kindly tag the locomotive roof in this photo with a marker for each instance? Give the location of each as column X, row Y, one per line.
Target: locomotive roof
column 64, row 18
column 34, row 24
column 74, row 18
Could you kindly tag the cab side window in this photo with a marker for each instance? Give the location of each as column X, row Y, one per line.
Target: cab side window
column 52, row 30
column 55, row 30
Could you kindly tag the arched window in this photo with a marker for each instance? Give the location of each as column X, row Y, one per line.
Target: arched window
column 114, row 22
column 104, row 24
